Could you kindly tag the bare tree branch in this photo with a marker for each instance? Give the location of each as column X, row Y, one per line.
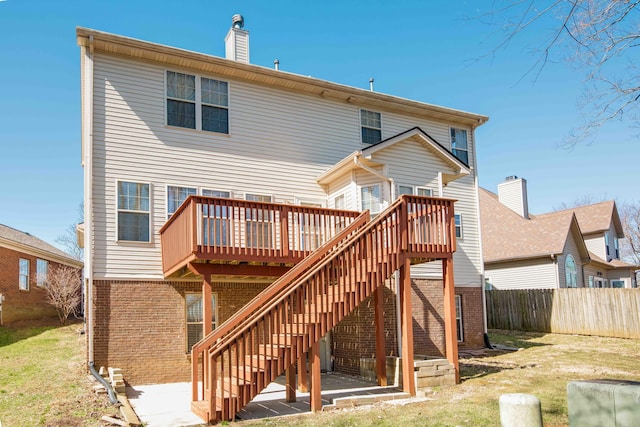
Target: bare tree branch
column 64, row 291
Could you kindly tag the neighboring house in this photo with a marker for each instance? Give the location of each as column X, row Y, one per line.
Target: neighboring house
column 570, row 248
column 25, row 262
column 272, row 165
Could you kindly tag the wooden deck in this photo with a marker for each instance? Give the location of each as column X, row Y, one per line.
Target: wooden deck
column 236, row 237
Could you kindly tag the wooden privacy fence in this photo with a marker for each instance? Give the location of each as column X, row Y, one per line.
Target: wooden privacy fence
column 584, row 311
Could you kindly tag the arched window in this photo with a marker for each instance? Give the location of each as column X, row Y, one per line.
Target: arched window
column 571, row 271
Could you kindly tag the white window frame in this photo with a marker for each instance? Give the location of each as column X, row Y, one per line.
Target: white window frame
column 452, row 131
column 214, row 316
column 368, row 126
column 409, row 187
column 197, row 102
column 41, row 276
column 362, row 208
column 426, row 189
column 23, row 278
column 616, row 247
column 343, row 197
column 263, row 227
column 458, row 226
column 459, row 322
column 180, row 187
column 148, row 212
column 218, row 224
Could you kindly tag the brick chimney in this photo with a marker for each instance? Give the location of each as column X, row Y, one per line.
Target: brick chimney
column 237, row 41
column 513, row 194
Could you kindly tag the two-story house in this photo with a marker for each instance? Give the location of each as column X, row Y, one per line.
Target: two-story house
column 25, row 264
column 570, row 248
column 273, row 209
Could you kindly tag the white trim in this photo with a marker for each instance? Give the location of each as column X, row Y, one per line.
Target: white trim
column 117, row 210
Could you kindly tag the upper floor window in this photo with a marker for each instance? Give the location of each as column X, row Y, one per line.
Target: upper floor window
column 606, row 242
column 370, row 198
column 42, row 271
column 133, row 211
column 371, row 126
column 616, row 247
column 459, row 146
column 197, row 102
column 458, row 221
column 571, row 271
column 176, row 196
column 23, row 274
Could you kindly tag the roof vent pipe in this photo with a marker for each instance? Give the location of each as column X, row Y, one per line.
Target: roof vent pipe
column 276, row 64
column 237, row 21
column 371, row 84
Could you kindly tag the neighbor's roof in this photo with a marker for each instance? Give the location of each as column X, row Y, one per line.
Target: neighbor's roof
column 507, row 236
column 598, row 217
column 174, row 57
column 24, row 242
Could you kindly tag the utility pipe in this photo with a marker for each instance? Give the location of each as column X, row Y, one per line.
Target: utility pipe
column 105, row 383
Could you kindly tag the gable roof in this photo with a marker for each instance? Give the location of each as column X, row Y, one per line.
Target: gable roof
column 170, row 56
column 597, row 218
column 458, row 167
column 24, row 242
column 507, row 236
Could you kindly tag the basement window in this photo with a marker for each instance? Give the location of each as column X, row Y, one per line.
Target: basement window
column 459, row 328
column 371, row 124
column 194, row 317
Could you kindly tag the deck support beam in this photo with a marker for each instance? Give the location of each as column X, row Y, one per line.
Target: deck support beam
column 314, row 368
column 408, row 378
column 381, row 357
column 290, row 383
column 303, row 382
column 450, row 337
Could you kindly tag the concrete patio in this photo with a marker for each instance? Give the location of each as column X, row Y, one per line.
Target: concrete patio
column 161, row 405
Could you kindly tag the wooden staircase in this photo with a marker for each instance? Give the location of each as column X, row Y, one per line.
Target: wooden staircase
column 235, row 362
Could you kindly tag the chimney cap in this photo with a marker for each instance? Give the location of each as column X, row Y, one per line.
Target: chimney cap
column 237, row 21
column 511, row 178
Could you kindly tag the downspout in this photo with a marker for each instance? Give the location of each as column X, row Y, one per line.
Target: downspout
column 87, row 162
column 392, row 186
column 112, row 395
column 487, row 343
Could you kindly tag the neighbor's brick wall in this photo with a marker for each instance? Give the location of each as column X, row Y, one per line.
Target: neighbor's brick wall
column 18, row 304
column 354, row 337
column 140, row 326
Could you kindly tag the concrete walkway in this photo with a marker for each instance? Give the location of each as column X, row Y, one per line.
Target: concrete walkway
column 168, row 405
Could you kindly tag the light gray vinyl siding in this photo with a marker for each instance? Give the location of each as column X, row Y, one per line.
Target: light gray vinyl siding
column 279, row 142
column 410, row 163
column 527, row 274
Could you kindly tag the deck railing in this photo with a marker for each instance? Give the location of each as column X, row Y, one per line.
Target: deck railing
column 210, row 228
column 270, row 333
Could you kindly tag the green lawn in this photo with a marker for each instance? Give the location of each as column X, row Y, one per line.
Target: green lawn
column 43, row 380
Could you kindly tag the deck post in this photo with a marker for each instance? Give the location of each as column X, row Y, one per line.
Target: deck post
column 314, row 368
column 381, row 357
column 303, row 385
column 290, row 383
column 207, row 313
column 450, row 337
column 408, row 378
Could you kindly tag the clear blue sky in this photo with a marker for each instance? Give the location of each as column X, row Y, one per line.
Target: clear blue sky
column 414, row 49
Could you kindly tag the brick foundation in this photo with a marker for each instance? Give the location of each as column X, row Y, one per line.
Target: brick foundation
column 140, row 325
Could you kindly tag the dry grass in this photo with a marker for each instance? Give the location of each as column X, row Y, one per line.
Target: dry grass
column 542, row 368
column 43, row 379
